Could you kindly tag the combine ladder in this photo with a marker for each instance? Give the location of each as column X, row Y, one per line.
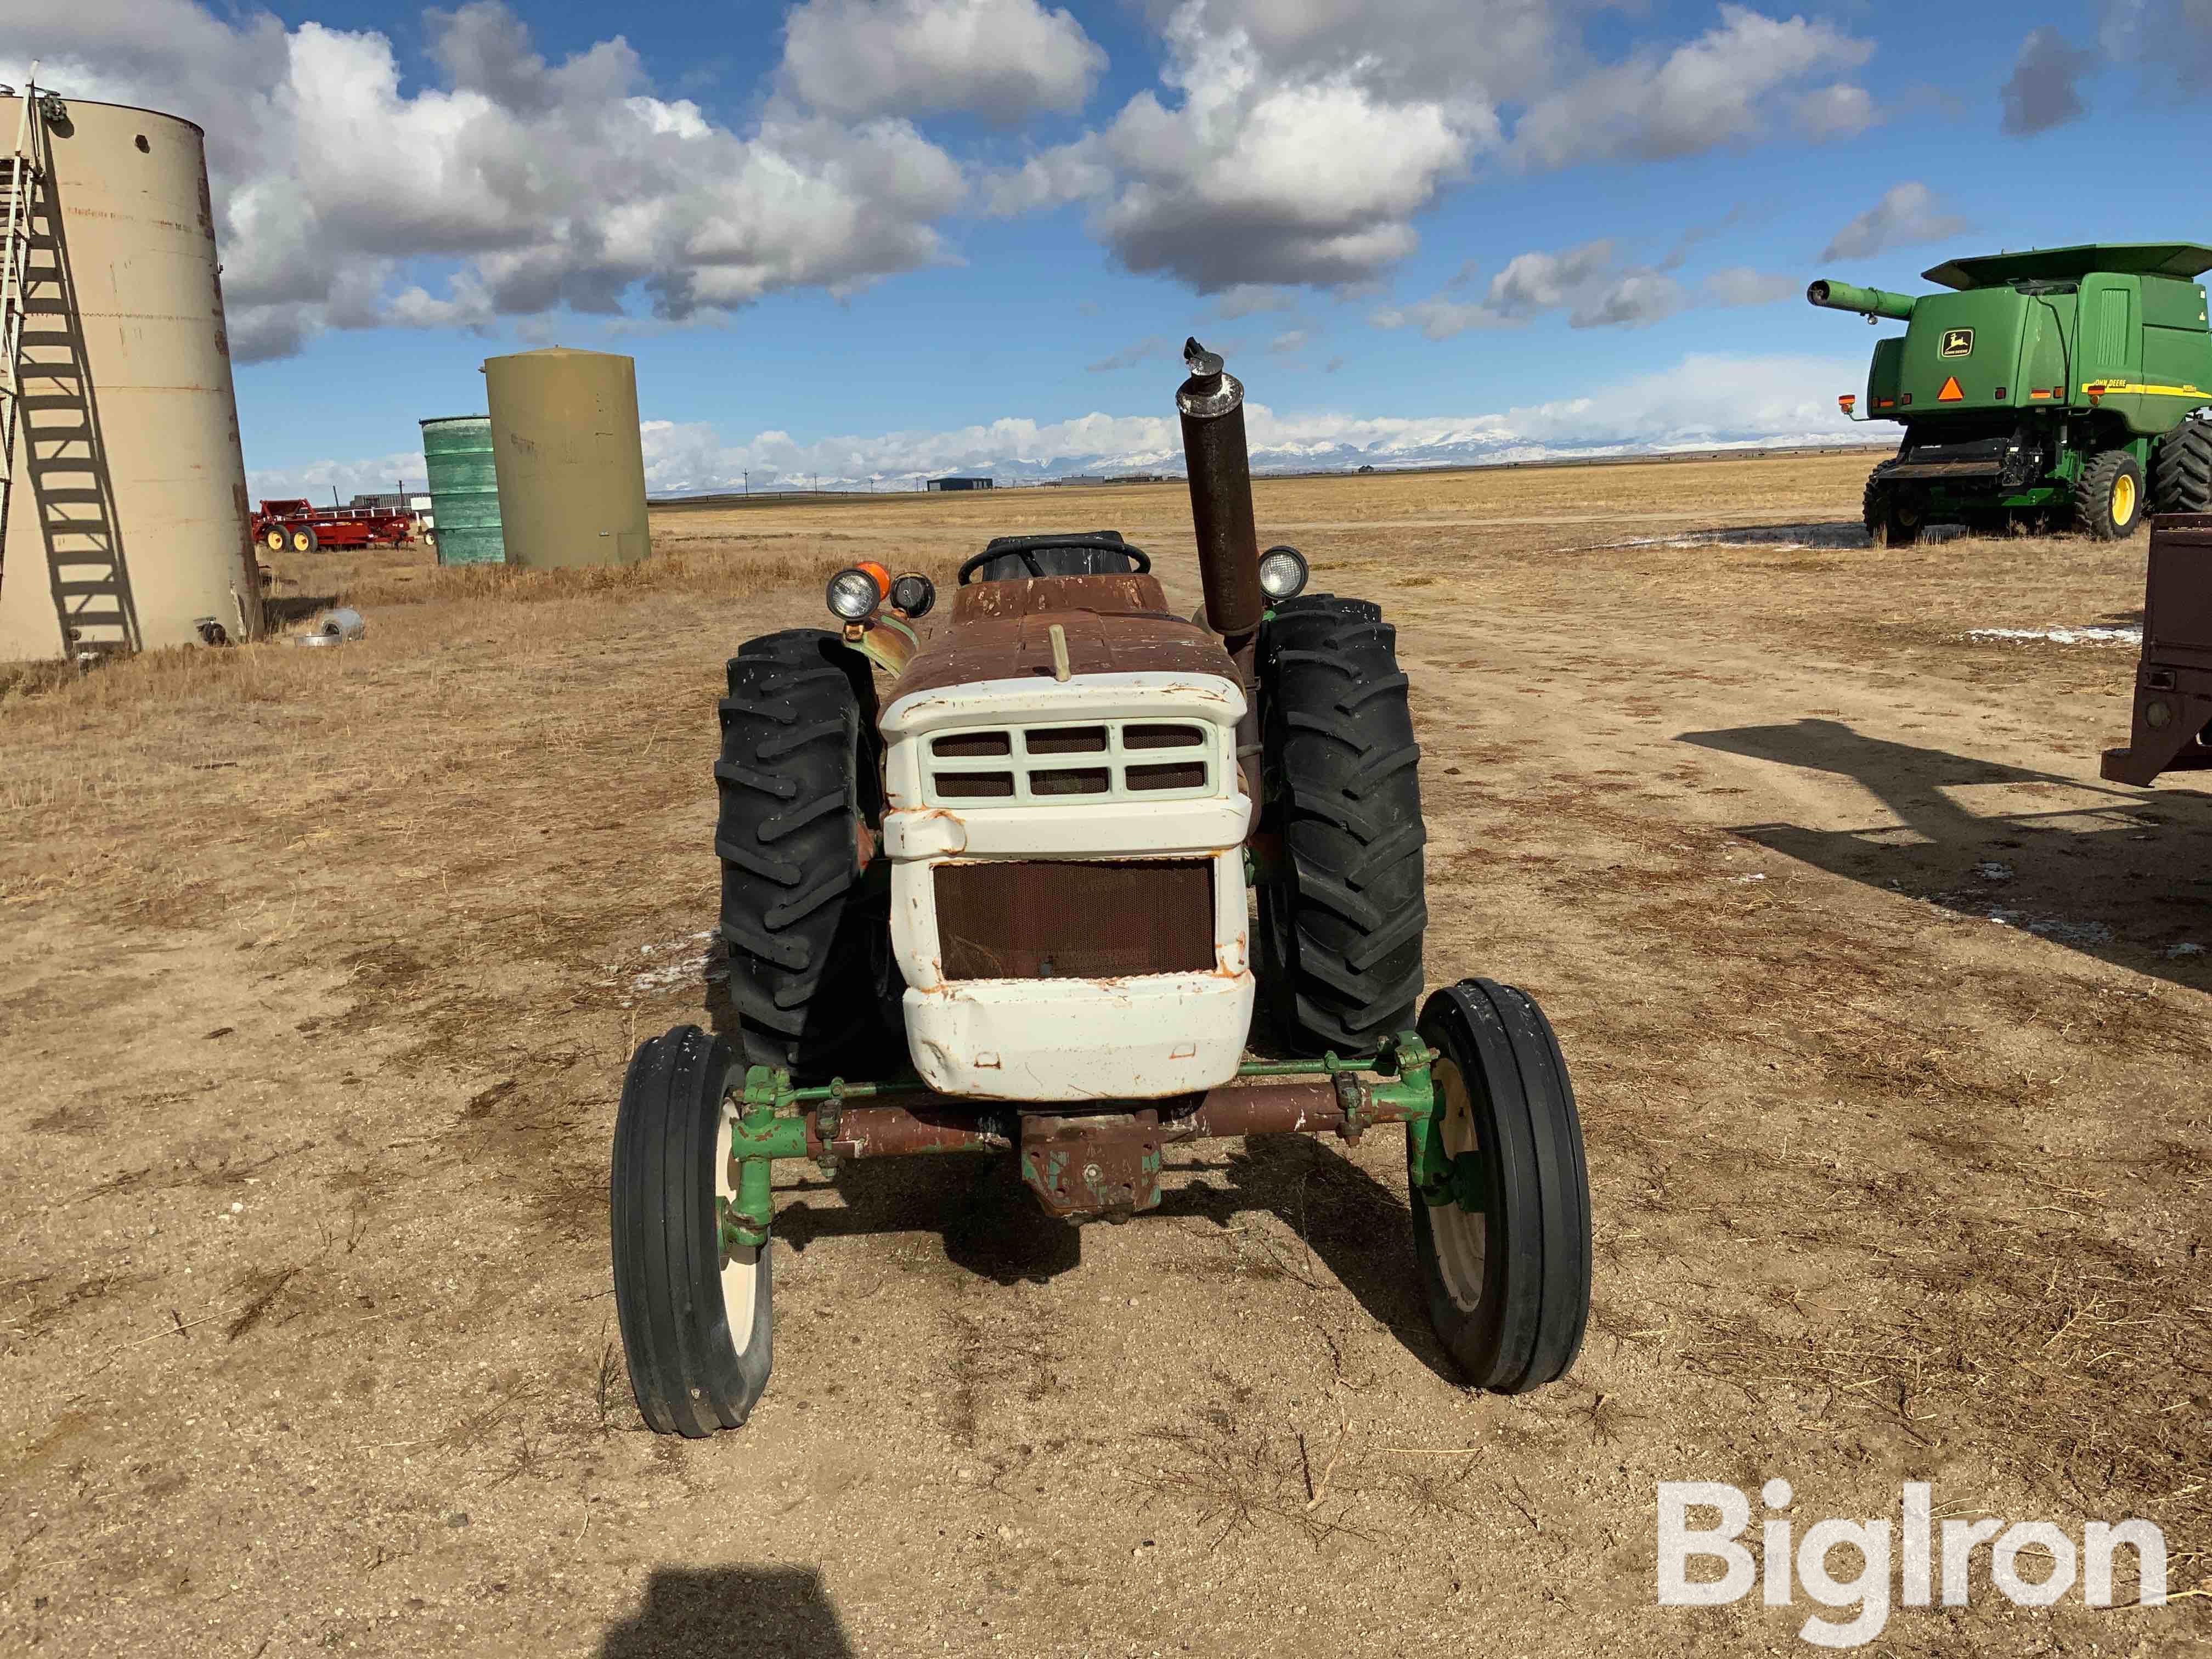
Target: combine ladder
column 48, row 393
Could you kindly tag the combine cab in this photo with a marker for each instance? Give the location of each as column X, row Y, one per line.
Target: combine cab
column 2063, row 385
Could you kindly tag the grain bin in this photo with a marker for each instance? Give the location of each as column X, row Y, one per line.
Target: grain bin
column 571, row 470
column 127, row 509
column 464, row 490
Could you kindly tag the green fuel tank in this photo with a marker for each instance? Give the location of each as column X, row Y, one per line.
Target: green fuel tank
column 464, row 490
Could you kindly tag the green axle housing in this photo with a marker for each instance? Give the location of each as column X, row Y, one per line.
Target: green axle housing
column 2060, row 381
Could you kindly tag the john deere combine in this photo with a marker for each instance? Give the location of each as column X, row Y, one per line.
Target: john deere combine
column 2065, row 384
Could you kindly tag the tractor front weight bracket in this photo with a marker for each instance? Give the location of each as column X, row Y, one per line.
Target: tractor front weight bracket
column 1095, row 1158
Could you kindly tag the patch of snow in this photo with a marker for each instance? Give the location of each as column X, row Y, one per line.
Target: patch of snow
column 2055, row 927
column 1990, row 870
column 2086, row 635
column 2185, row 949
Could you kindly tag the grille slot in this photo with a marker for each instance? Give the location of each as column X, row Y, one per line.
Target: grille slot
column 1075, row 919
column 1181, row 774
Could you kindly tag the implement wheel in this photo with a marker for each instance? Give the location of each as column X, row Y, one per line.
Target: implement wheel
column 304, row 540
column 2181, row 469
column 694, row 1316
column 801, row 786
column 1342, row 911
column 1505, row 1260
column 273, row 539
column 2108, row 499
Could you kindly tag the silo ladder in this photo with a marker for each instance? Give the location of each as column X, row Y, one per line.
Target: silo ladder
column 19, row 179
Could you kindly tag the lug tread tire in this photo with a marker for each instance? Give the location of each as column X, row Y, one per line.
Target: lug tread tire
column 686, row 1369
column 2092, row 495
column 797, row 778
column 1534, row 1307
column 1345, row 795
column 2182, row 469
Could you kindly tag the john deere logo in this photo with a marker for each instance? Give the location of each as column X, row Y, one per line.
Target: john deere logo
column 1958, row 342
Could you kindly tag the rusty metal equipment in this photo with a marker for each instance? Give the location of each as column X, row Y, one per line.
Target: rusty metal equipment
column 2172, row 725
column 1016, row 880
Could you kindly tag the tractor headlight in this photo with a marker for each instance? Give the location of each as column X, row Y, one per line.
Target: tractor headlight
column 914, row 594
column 1282, row 572
column 854, row 593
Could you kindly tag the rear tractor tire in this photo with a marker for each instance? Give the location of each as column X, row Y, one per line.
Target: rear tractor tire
column 694, row 1316
column 800, row 785
column 1341, row 908
column 1892, row 516
column 2181, row 469
column 2108, row 498
column 1505, row 1259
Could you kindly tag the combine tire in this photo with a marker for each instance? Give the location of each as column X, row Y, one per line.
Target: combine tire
column 1892, row 518
column 695, row 1317
column 1505, row 1258
column 1341, row 910
column 809, row 944
column 2181, row 470
column 304, row 540
column 2108, row 499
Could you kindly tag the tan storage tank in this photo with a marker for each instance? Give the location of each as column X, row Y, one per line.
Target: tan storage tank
column 564, row 440
column 127, row 516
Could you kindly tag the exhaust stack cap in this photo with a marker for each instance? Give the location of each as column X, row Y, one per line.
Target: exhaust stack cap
column 1211, row 391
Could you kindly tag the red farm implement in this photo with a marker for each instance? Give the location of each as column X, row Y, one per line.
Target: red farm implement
column 307, row 528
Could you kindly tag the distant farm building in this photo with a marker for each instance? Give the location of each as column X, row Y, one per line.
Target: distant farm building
column 959, row 483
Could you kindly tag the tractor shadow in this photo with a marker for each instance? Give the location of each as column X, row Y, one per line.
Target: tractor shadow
column 730, row 1613
column 2121, row 874
column 1343, row 1221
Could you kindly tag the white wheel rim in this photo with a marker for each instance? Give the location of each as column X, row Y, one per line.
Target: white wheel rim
column 1461, row 1236
column 740, row 1266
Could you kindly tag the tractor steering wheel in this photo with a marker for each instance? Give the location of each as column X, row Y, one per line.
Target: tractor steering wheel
column 1028, row 551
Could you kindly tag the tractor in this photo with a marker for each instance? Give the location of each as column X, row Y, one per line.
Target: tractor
column 2068, row 385
column 1016, row 882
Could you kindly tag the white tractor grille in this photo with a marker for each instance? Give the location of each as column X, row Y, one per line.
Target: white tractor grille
column 1074, row 762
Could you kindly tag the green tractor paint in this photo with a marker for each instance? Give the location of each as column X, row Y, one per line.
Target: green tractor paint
column 2060, row 386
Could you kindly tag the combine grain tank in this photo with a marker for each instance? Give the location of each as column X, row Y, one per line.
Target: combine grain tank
column 464, row 490
column 127, row 515
column 571, row 470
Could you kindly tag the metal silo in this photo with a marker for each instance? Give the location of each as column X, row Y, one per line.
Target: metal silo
column 464, row 490
column 125, row 508
column 571, row 468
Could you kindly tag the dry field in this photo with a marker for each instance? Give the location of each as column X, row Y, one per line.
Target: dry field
column 1890, row 1023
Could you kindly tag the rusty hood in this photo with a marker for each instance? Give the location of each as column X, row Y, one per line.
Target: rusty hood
column 1112, row 624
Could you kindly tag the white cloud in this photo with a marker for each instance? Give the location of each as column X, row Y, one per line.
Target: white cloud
column 1590, row 283
column 1714, row 90
column 1290, row 340
column 1252, row 299
column 1908, row 213
column 1152, row 347
column 2041, row 92
column 344, row 199
column 1704, row 399
column 1834, row 112
column 1002, row 59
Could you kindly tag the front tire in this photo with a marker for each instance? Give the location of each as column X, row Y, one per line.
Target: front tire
column 696, row 1318
column 1342, row 911
column 800, row 784
column 1505, row 1263
column 2108, row 499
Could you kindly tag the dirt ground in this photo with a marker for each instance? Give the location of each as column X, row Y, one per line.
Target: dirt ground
column 1890, row 1024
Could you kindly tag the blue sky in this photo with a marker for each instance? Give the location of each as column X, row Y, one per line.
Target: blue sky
column 919, row 224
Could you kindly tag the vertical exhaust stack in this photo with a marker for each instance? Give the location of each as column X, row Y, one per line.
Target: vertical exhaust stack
column 1211, row 404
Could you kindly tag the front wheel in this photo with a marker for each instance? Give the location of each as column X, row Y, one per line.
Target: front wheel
column 695, row 1315
column 1504, row 1241
column 2108, row 499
